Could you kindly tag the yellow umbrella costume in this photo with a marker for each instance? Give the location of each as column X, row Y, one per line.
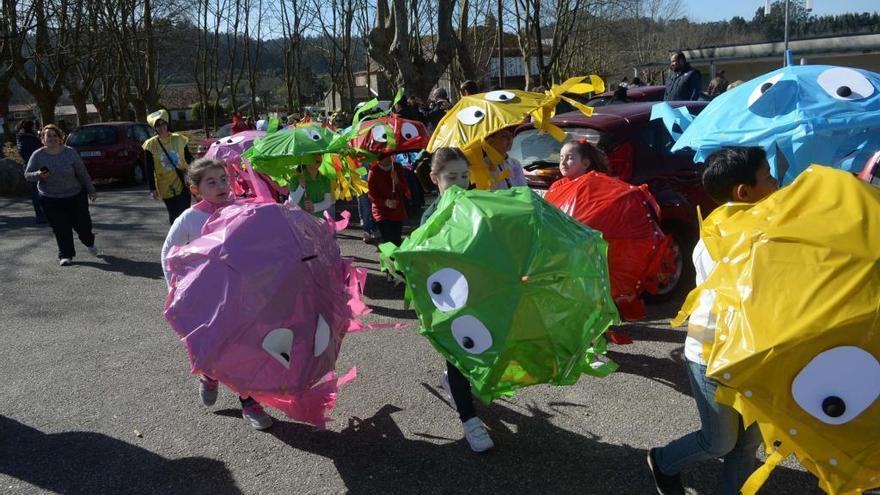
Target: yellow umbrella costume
column 797, row 341
column 473, row 118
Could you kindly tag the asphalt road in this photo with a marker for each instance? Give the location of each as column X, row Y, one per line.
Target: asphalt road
column 97, row 398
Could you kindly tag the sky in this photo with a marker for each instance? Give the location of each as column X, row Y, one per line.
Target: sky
column 713, row 10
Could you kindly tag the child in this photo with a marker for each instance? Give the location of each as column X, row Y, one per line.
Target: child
column 731, row 174
column 450, row 167
column 576, row 158
column 317, row 197
column 208, row 182
column 502, row 142
column 388, row 192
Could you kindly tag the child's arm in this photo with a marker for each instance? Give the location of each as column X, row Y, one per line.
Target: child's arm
column 327, row 202
column 178, row 235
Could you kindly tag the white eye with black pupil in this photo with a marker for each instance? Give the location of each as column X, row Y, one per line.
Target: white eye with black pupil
column 837, row 385
column 471, row 334
column 379, row 134
column 448, row 289
column 278, row 343
column 409, row 131
column 762, row 88
column 500, row 96
column 845, row 84
column 471, row 115
column 313, row 134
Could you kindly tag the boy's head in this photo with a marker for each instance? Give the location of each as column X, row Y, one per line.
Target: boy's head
column 738, row 174
column 208, row 181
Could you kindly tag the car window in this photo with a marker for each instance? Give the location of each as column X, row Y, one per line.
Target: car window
column 130, row 134
column 531, row 146
column 92, row 136
column 142, row 133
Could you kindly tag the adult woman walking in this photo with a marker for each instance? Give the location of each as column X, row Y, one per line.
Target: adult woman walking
column 167, row 158
column 63, row 185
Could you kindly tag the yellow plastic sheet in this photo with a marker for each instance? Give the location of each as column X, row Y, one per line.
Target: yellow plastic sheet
column 796, row 346
column 473, row 118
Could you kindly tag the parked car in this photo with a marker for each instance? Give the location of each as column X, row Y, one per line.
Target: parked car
column 112, row 150
column 222, row 132
column 633, row 94
column 638, row 151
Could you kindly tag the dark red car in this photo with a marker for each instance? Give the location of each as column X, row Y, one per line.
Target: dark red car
column 633, row 94
column 112, row 150
column 638, row 152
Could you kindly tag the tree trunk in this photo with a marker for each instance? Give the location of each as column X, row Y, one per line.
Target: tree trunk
column 82, row 111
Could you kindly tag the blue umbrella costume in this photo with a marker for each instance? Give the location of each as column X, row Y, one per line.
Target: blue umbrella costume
column 799, row 114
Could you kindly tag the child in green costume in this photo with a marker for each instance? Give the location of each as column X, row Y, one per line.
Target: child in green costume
column 450, row 167
column 316, row 187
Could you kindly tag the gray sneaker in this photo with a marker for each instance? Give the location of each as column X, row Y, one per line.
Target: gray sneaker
column 253, row 413
column 208, row 390
column 93, row 250
column 477, row 435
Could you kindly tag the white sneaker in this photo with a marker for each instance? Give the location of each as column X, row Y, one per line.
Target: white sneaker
column 477, row 435
column 253, row 413
column 93, row 250
column 65, row 261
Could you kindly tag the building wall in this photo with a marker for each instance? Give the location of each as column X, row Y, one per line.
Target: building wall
column 749, row 69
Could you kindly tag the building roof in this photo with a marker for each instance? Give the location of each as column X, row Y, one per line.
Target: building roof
column 66, row 110
column 825, row 46
column 179, row 96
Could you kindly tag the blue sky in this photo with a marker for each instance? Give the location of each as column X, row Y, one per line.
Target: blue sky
column 712, row 10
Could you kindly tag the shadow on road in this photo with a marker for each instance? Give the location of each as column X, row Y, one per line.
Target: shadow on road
column 372, row 455
column 669, row 372
column 132, row 268
column 88, row 463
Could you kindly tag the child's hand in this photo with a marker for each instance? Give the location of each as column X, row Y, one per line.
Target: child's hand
column 391, row 203
column 309, row 206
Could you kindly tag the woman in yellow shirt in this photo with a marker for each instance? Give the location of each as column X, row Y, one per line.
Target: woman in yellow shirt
column 167, row 158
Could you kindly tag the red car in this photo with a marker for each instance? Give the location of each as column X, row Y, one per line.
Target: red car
column 112, row 150
column 638, row 152
column 633, row 94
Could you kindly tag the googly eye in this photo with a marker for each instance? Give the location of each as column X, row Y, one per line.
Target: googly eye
column 471, row 334
column 448, row 289
column 278, row 344
column 322, row 336
column 231, row 140
column 762, row 88
column 379, row 134
column 500, row 96
column 409, row 131
column 845, row 84
column 837, row 385
column 471, row 115
column 312, row 134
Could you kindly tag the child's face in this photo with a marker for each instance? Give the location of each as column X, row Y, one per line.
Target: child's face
column 454, row 173
column 214, row 187
column 571, row 163
column 765, row 184
column 501, row 140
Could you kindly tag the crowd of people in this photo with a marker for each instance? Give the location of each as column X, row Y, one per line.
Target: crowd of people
column 63, row 189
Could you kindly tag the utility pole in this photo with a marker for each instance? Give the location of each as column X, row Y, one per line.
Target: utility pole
column 500, row 45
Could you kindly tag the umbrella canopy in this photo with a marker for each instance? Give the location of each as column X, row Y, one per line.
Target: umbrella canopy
column 508, row 288
column 229, row 151
column 391, row 135
column 261, row 303
column 467, row 124
column 640, row 255
column 797, row 341
column 800, row 114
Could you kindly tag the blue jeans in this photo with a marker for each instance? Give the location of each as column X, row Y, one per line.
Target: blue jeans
column 365, row 210
column 721, row 435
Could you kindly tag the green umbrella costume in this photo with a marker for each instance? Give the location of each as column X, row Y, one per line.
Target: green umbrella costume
column 509, row 289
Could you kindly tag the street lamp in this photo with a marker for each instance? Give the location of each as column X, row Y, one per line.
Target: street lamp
column 808, row 4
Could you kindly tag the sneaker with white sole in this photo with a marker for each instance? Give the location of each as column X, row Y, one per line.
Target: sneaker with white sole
column 65, row 261
column 208, row 390
column 477, row 435
column 254, row 414
column 93, row 250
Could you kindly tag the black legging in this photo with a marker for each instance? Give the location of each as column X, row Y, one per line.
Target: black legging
column 66, row 215
column 177, row 205
column 460, row 389
column 391, row 230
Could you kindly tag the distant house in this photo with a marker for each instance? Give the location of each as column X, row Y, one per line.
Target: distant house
column 179, row 99
column 67, row 114
column 367, row 85
column 22, row 111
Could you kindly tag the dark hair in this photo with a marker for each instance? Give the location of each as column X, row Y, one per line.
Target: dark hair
column 730, row 167
column 469, row 87
column 26, row 125
column 443, row 156
column 196, row 170
column 681, row 56
column 592, row 153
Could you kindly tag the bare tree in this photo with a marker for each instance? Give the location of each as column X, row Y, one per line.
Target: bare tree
column 476, row 40
column 7, row 35
column 252, row 56
column 295, row 14
column 397, row 44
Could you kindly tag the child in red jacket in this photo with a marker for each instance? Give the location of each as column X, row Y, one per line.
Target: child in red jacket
column 388, row 192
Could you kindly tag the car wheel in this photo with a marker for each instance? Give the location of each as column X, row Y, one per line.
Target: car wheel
column 138, row 176
column 682, row 280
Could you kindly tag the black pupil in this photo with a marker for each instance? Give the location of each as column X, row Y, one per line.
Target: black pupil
column 844, row 91
column 467, row 342
column 286, row 356
column 503, row 97
column 766, row 86
column 834, row 406
column 436, row 288
column 478, row 114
